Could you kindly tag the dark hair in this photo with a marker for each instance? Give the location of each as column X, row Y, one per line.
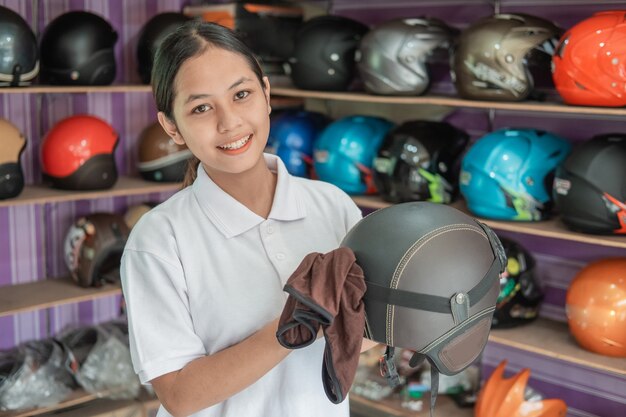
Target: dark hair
column 189, row 40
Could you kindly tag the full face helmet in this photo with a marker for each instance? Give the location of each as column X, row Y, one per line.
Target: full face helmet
column 19, row 56
column 292, row 134
column 151, row 37
column 596, row 307
column 590, row 186
column 589, row 65
column 344, row 152
column 503, row 57
column 432, row 283
column 12, row 144
column 160, row 158
column 418, row 160
column 520, row 294
column 324, row 53
column 394, row 56
column 508, row 174
column 93, row 248
column 511, row 397
column 77, row 154
column 77, row 49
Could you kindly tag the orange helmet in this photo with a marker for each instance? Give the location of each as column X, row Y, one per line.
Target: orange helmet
column 11, row 174
column 589, row 64
column 505, row 397
column 77, row 154
column 596, row 307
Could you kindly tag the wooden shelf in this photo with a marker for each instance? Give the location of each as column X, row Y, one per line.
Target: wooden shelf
column 390, row 407
column 64, row 89
column 553, row 228
column 75, row 398
column 551, row 338
column 48, row 293
column 125, row 186
column 533, row 106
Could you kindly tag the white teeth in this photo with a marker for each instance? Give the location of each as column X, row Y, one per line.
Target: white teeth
column 237, row 144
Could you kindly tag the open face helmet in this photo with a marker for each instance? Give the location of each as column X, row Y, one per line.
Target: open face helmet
column 77, row 154
column 93, row 248
column 324, row 53
column 19, row 55
column 596, row 307
column 160, row 158
column 344, row 152
column 419, row 160
column 151, row 36
column 589, row 65
column 393, row 57
column 511, row 397
column 508, row 174
column 292, row 135
column 502, row 57
column 590, row 186
column 520, row 294
column 12, row 144
column 77, row 49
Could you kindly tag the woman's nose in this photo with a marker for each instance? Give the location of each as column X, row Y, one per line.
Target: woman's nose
column 228, row 119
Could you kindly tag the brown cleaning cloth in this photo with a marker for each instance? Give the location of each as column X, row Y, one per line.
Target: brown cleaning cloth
column 327, row 290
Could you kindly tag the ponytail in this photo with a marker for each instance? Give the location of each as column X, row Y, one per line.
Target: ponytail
column 192, row 171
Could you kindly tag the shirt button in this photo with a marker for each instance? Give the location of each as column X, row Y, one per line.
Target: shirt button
column 270, row 230
column 280, row 256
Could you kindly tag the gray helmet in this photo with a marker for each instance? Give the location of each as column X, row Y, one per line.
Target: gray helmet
column 432, row 276
column 393, row 56
column 499, row 57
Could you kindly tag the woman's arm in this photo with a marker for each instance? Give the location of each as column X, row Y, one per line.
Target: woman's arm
column 212, row 379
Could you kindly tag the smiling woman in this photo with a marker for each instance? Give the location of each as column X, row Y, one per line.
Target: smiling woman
column 203, row 273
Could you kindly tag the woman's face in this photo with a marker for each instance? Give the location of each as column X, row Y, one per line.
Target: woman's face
column 221, row 112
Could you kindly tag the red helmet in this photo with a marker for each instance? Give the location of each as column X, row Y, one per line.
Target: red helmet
column 589, row 64
column 77, row 154
column 596, row 307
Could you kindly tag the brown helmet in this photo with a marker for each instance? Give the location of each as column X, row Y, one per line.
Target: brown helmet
column 160, row 158
column 93, row 248
column 12, row 143
column 136, row 211
column 495, row 55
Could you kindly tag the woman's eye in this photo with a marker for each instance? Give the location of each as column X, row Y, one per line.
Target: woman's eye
column 242, row 94
column 201, row 108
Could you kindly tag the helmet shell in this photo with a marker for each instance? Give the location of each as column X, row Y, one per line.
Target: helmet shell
column 493, row 58
column 12, row 144
column 344, row 152
column 589, row 65
column 77, row 49
column 419, row 160
column 77, row 154
column 508, row 174
column 19, row 55
column 590, row 186
column 160, row 158
column 596, row 307
column 324, row 53
column 394, row 56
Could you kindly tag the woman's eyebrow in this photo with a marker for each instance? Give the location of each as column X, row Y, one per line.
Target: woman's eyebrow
column 237, row 83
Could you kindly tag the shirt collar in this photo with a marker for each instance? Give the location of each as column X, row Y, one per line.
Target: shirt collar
column 233, row 218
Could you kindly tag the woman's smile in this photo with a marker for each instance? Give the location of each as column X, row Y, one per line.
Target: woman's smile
column 238, row 146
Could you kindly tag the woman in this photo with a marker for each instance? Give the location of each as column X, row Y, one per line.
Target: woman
column 203, row 272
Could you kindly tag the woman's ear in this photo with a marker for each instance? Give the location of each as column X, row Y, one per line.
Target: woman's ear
column 266, row 83
column 170, row 128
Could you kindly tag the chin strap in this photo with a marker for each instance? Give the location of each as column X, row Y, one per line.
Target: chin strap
column 388, row 368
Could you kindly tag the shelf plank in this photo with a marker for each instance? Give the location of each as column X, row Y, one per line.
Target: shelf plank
column 553, row 339
column 48, row 293
column 552, row 228
column 65, row 89
column 533, row 106
column 75, row 398
column 125, row 186
column 390, row 407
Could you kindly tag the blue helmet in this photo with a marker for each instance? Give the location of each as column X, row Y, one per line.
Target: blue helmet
column 345, row 151
column 507, row 174
column 292, row 134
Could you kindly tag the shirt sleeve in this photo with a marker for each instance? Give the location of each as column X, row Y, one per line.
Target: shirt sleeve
column 162, row 337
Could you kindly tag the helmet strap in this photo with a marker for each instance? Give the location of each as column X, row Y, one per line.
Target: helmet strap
column 388, row 368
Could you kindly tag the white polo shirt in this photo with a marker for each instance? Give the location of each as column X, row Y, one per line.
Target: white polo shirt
column 201, row 272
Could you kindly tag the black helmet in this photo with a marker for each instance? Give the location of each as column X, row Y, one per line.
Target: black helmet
column 324, row 53
column 19, row 57
column 590, row 186
column 520, row 294
column 432, row 283
column 418, row 160
column 151, row 37
column 393, row 56
column 502, row 57
column 77, row 49
column 12, row 144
